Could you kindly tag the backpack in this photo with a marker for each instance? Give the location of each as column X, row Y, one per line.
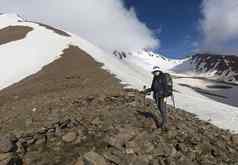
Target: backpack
column 168, row 85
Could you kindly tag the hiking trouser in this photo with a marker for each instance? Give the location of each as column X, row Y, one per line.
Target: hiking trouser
column 163, row 112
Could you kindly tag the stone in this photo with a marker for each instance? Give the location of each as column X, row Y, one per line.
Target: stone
column 184, row 161
column 79, row 162
column 13, row 161
column 132, row 145
column 4, row 162
column 64, row 123
column 41, row 140
column 131, row 94
column 130, row 151
column 163, row 149
column 139, row 161
column 96, row 121
column 28, row 122
column 58, row 131
column 13, row 138
column 6, row 145
column 161, row 162
column 80, row 137
column 206, row 148
column 20, row 148
column 5, row 156
column 181, row 147
column 119, row 140
column 234, row 139
column 148, row 147
column 42, row 130
column 112, row 158
column 133, row 104
column 69, row 137
column 93, row 158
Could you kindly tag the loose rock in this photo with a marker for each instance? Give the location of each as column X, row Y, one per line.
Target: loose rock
column 92, row 158
column 69, row 137
column 6, row 145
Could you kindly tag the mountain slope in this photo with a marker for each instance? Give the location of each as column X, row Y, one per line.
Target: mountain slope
column 72, row 108
column 44, row 45
column 68, row 110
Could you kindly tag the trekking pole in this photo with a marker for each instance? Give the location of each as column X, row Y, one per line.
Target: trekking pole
column 144, row 88
column 166, row 103
column 173, row 100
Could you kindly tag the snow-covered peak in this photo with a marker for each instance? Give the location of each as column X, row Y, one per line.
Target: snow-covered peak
column 147, row 59
column 9, row 19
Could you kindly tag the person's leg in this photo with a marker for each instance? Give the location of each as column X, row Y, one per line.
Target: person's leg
column 163, row 112
column 158, row 102
column 156, row 113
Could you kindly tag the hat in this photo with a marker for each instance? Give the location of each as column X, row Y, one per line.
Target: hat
column 155, row 69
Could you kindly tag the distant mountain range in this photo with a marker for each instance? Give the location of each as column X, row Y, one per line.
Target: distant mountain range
column 224, row 67
column 219, row 67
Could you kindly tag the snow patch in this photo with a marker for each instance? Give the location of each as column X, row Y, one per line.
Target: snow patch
column 27, row 56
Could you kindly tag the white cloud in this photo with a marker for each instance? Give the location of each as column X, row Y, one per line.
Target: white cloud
column 106, row 23
column 220, row 25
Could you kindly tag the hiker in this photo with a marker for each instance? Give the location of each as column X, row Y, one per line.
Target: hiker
column 161, row 88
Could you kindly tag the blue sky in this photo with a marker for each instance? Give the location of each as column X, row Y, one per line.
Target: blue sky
column 176, row 23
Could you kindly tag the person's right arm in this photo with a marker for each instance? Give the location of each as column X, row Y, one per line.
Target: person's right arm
column 149, row 90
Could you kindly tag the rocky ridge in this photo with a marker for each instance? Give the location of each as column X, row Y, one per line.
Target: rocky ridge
column 120, row 129
column 73, row 112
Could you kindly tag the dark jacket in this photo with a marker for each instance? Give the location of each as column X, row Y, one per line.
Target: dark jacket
column 157, row 86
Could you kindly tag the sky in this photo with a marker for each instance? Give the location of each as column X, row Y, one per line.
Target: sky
column 176, row 23
column 174, row 28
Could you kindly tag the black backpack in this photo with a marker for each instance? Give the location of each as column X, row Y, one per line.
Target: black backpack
column 168, row 85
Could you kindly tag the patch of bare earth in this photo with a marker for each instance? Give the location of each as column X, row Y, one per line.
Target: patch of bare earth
column 73, row 112
column 13, row 33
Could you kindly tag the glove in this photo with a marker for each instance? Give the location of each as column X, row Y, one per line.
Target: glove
column 143, row 92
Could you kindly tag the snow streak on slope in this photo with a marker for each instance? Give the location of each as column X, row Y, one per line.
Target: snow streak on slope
column 42, row 46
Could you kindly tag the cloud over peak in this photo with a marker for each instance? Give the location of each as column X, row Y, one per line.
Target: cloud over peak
column 220, row 25
column 106, row 23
